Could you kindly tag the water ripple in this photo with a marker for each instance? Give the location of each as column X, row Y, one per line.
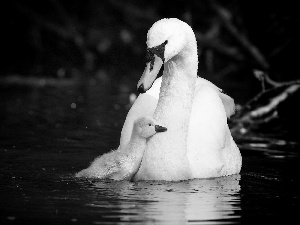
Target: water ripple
column 192, row 201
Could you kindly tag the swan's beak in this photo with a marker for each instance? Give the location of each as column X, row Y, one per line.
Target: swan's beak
column 150, row 74
column 160, row 128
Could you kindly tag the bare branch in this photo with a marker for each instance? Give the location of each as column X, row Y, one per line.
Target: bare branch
column 222, row 49
column 249, row 118
column 42, row 22
column 265, row 78
column 223, row 14
column 274, row 102
column 66, row 32
column 131, row 9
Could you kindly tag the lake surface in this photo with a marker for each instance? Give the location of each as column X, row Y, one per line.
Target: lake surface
column 48, row 133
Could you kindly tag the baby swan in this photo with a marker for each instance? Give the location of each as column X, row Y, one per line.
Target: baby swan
column 123, row 163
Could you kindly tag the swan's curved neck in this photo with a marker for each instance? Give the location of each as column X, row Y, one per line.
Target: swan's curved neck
column 176, row 93
column 165, row 157
column 176, row 98
column 178, row 85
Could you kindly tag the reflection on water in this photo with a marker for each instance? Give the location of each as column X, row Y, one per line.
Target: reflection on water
column 170, row 202
column 48, row 133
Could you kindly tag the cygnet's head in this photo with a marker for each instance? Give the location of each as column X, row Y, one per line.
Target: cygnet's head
column 146, row 127
column 165, row 39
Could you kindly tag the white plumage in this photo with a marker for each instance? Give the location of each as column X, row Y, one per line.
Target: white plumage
column 198, row 143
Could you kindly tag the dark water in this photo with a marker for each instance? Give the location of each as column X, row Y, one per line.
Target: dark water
column 49, row 133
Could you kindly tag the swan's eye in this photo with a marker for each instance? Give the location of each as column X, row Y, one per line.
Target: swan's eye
column 149, row 124
column 150, row 58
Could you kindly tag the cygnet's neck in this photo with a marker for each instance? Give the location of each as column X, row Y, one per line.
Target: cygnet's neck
column 136, row 146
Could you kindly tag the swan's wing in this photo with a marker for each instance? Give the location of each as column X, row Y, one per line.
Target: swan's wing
column 228, row 102
column 202, row 81
column 207, row 133
column 144, row 105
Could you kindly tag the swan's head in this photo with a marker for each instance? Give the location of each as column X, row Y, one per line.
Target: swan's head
column 146, row 127
column 165, row 39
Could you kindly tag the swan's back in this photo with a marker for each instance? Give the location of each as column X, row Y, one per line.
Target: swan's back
column 207, row 129
column 212, row 151
column 146, row 103
column 227, row 101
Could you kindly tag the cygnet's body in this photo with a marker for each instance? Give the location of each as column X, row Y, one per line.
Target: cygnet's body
column 123, row 163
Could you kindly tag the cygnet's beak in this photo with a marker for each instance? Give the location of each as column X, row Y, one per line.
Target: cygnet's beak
column 150, row 74
column 160, row 128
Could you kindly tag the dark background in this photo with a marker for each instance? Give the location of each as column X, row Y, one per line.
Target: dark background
column 52, row 126
column 106, row 39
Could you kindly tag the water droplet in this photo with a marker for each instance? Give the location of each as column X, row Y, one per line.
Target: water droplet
column 11, row 218
column 126, row 36
column 243, row 130
column 132, row 98
column 117, row 107
column 259, row 145
column 42, row 82
column 61, row 73
column 73, row 105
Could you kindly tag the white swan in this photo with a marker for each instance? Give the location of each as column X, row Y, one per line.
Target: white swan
column 198, row 143
column 124, row 162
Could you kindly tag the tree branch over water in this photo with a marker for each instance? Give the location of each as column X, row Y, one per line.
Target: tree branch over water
column 271, row 108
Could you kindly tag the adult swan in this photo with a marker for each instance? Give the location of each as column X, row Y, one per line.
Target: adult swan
column 198, row 143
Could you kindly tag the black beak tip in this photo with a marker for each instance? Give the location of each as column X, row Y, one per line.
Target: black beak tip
column 160, row 128
column 141, row 89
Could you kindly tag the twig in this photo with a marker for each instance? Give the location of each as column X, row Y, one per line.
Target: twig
column 242, row 39
column 131, row 9
column 68, row 31
column 275, row 101
column 59, row 30
column 265, row 78
column 222, row 49
column 251, row 119
column 64, row 15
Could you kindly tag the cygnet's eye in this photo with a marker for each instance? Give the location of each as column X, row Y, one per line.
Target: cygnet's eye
column 149, row 124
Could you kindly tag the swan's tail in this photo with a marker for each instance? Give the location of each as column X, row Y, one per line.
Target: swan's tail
column 228, row 103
